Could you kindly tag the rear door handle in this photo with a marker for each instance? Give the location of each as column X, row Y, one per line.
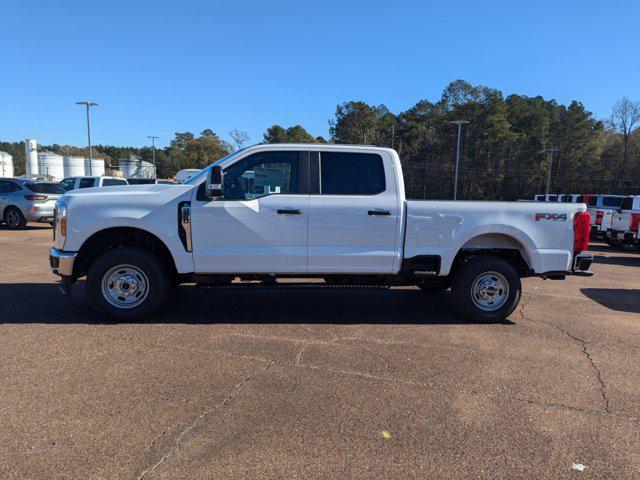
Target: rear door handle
column 379, row 212
column 289, row 211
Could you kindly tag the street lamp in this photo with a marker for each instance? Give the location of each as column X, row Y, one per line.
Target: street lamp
column 551, row 152
column 455, row 181
column 153, row 152
column 89, row 105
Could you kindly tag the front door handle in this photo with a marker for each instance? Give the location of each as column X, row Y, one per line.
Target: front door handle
column 379, row 212
column 289, row 211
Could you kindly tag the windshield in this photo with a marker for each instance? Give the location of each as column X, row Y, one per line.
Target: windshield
column 204, row 171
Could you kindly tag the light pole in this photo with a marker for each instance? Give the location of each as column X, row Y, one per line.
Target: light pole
column 89, row 105
column 551, row 152
column 153, row 153
column 459, row 123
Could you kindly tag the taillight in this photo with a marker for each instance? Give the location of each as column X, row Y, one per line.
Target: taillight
column 599, row 216
column 581, row 227
column 35, row 197
column 635, row 222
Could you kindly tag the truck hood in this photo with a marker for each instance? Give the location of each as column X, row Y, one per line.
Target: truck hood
column 128, row 189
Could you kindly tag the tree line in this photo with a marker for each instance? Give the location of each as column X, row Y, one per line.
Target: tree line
column 504, row 147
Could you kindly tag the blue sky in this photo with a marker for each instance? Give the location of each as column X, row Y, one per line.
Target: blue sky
column 160, row 67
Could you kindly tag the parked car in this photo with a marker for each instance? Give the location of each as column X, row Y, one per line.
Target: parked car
column 601, row 208
column 333, row 211
column 75, row 183
column 24, row 200
column 625, row 222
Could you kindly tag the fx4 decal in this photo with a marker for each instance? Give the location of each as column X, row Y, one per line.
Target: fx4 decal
column 555, row 217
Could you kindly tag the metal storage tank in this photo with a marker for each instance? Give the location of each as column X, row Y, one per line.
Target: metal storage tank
column 135, row 168
column 97, row 167
column 6, row 165
column 31, row 151
column 73, row 166
column 50, row 166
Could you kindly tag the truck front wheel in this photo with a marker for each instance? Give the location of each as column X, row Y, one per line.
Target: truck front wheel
column 127, row 284
column 486, row 289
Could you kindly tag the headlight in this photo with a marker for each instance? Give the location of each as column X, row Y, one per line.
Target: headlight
column 61, row 218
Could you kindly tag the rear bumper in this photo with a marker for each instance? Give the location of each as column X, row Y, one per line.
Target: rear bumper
column 62, row 262
column 38, row 213
column 622, row 236
column 581, row 263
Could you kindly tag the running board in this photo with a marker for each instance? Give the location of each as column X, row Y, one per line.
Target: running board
column 287, row 286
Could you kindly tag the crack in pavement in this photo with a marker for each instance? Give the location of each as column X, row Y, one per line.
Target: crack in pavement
column 300, row 354
column 585, row 352
column 179, row 436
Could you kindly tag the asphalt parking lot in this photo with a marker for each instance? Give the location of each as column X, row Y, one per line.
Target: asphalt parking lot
column 319, row 384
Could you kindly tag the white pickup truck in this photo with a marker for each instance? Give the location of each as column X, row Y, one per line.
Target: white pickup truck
column 338, row 212
column 625, row 222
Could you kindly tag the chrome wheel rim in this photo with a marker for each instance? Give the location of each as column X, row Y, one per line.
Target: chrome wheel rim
column 13, row 218
column 125, row 286
column 490, row 291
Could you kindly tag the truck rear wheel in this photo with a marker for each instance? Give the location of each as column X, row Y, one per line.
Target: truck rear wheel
column 486, row 289
column 127, row 284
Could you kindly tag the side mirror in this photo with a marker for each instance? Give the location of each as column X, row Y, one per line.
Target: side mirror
column 215, row 182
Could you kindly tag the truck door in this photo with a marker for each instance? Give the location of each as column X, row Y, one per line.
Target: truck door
column 354, row 213
column 260, row 225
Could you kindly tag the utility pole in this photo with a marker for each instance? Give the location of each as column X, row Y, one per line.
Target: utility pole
column 153, row 153
column 459, row 123
column 89, row 105
column 551, row 152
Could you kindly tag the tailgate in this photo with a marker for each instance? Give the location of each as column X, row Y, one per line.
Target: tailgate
column 620, row 221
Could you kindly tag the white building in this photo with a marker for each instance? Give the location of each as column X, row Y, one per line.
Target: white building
column 133, row 167
column 6, row 165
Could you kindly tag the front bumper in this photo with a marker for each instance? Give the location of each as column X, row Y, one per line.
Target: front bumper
column 62, row 262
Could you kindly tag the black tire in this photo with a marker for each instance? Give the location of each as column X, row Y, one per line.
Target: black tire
column 463, row 289
column 434, row 285
column 137, row 263
column 14, row 219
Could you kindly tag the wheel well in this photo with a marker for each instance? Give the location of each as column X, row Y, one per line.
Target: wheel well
column 105, row 240
column 7, row 208
column 497, row 245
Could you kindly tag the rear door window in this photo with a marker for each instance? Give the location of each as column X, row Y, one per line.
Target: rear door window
column 593, row 201
column 346, row 173
column 86, row 183
column 7, row 186
column 68, row 183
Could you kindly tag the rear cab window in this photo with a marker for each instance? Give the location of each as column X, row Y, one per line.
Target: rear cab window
column 112, row 182
column 610, row 201
column 627, row 204
column 348, row 173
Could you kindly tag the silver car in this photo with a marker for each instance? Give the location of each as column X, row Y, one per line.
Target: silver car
column 24, row 200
